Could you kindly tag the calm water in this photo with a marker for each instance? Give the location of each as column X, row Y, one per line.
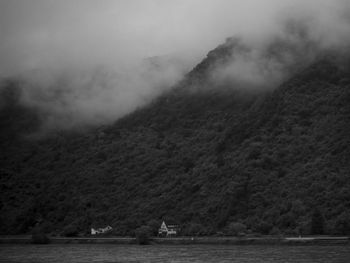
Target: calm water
column 196, row 253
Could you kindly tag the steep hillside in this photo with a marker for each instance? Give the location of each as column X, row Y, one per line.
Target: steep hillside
column 203, row 158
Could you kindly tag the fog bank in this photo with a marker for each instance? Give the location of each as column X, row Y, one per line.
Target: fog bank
column 91, row 62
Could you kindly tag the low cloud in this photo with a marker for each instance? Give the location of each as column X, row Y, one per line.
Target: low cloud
column 95, row 96
column 91, row 62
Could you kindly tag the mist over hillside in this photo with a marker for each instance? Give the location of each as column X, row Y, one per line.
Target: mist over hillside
column 77, row 71
column 133, row 121
column 203, row 158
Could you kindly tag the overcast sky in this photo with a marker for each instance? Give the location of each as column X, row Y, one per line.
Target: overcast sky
column 51, row 36
column 38, row 33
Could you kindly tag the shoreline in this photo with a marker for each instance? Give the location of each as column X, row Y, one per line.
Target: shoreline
column 310, row 240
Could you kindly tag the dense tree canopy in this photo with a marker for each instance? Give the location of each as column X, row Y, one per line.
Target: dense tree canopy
column 204, row 159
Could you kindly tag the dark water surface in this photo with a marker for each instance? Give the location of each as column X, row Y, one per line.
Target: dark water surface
column 175, row 254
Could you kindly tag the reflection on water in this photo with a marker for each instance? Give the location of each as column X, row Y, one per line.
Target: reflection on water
column 174, row 254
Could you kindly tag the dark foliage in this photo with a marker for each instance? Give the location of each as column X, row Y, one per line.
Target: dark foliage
column 153, row 227
column 342, row 224
column 317, row 223
column 39, row 236
column 70, row 231
column 15, row 119
column 236, row 229
column 202, row 158
column 143, row 234
column 194, row 229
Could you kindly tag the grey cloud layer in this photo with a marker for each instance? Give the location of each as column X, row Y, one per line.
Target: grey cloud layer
column 64, row 45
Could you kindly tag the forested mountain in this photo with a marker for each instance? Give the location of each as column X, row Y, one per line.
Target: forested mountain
column 199, row 156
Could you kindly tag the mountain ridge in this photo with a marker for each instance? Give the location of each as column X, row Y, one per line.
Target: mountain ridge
column 203, row 158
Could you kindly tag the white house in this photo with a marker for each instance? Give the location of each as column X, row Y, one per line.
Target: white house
column 101, row 230
column 170, row 230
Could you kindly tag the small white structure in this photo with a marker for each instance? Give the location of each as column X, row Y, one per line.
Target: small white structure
column 101, row 230
column 170, row 230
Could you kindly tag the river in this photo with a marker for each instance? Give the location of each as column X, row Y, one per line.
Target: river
column 102, row 253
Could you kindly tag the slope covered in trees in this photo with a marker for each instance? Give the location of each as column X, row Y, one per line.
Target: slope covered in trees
column 203, row 158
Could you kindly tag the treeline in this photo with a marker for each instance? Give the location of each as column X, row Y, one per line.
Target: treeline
column 213, row 161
